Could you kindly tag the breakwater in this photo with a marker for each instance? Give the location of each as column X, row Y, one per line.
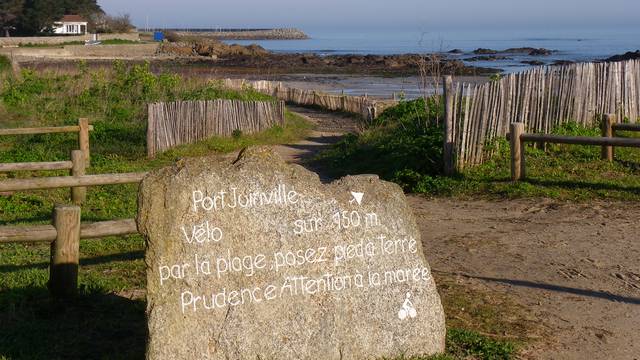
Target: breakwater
column 244, row 34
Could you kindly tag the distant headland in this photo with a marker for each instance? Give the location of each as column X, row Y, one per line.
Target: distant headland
column 244, row 34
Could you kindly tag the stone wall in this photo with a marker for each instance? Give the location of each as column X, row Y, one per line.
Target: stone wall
column 82, row 51
column 53, row 40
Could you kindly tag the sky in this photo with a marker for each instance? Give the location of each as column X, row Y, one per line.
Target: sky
column 423, row 15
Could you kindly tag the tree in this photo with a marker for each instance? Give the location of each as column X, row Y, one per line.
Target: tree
column 10, row 10
column 111, row 24
column 38, row 16
column 84, row 8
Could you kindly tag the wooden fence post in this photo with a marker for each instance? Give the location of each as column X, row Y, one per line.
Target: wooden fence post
column 607, row 131
column 517, row 152
column 283, row 111
column 65, row 251
column 16, row 69
column 448, row 156
column 79, row 193
column 83, row 139
column 151, row 133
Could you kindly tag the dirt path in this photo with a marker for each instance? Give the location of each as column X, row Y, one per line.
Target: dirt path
column 329, row 129
column 575, row 267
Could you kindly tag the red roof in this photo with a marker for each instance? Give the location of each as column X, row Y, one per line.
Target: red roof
column 72, row 18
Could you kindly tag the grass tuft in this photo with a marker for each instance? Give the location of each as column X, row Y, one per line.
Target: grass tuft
column 5, row 64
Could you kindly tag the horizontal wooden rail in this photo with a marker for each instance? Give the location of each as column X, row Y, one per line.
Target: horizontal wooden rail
column 43, row 130
column 35, row 166
column 626, row 127
column 70, row 181
column 35, row 233
column 48, row 233
column 517, row 138
column 108, row 228
column 64, row 236
column 581, row 140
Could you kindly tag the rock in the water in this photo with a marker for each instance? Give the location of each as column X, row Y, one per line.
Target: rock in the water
column 257, row 259
column 629, row 55
column 563, row 62
column 529, row 51
column 488, row 58
column 540, row 52
column 532, row 62
column 481, row 51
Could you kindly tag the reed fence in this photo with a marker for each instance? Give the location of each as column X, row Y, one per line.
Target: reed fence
column 185, row 122
column 364, row 106
column 541, row 98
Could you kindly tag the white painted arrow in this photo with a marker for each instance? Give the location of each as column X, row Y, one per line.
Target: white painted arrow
column 357, row 196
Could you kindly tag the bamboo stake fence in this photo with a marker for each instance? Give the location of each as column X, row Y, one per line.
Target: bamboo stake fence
column 364, row 106
column 186, row 122
column 541, row 98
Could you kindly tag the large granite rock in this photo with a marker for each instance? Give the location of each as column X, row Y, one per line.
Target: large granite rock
column 257, row 259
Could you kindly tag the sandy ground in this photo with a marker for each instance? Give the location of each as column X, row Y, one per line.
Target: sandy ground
column 410, row 87
column 575, row 267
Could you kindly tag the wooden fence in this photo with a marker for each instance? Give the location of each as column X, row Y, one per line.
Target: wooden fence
column 541, row 98
column 66, row 231
column 364, row 106
column 517, row 138
column 185, row 122
column 79, row 158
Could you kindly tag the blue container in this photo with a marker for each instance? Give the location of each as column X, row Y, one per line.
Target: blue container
column 158, row 36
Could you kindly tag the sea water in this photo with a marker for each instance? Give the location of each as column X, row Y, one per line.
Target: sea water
column 569, row 44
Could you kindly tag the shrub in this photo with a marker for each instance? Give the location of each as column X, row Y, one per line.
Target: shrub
column 112, row 24
column 172, row 36
column 402, row 145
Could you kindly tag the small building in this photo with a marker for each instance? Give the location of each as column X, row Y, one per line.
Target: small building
column 70, row 25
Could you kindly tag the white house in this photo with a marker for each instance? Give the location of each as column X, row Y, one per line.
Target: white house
column 70, row 25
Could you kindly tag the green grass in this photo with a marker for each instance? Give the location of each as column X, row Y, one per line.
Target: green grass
column 125, row 155
column 405, row 147
column 5, row 64
column 106, row 320
column 464, row 344
column 119, row 42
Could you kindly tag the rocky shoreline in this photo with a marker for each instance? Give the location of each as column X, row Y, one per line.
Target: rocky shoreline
column 251, row 57
column 630, row 55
